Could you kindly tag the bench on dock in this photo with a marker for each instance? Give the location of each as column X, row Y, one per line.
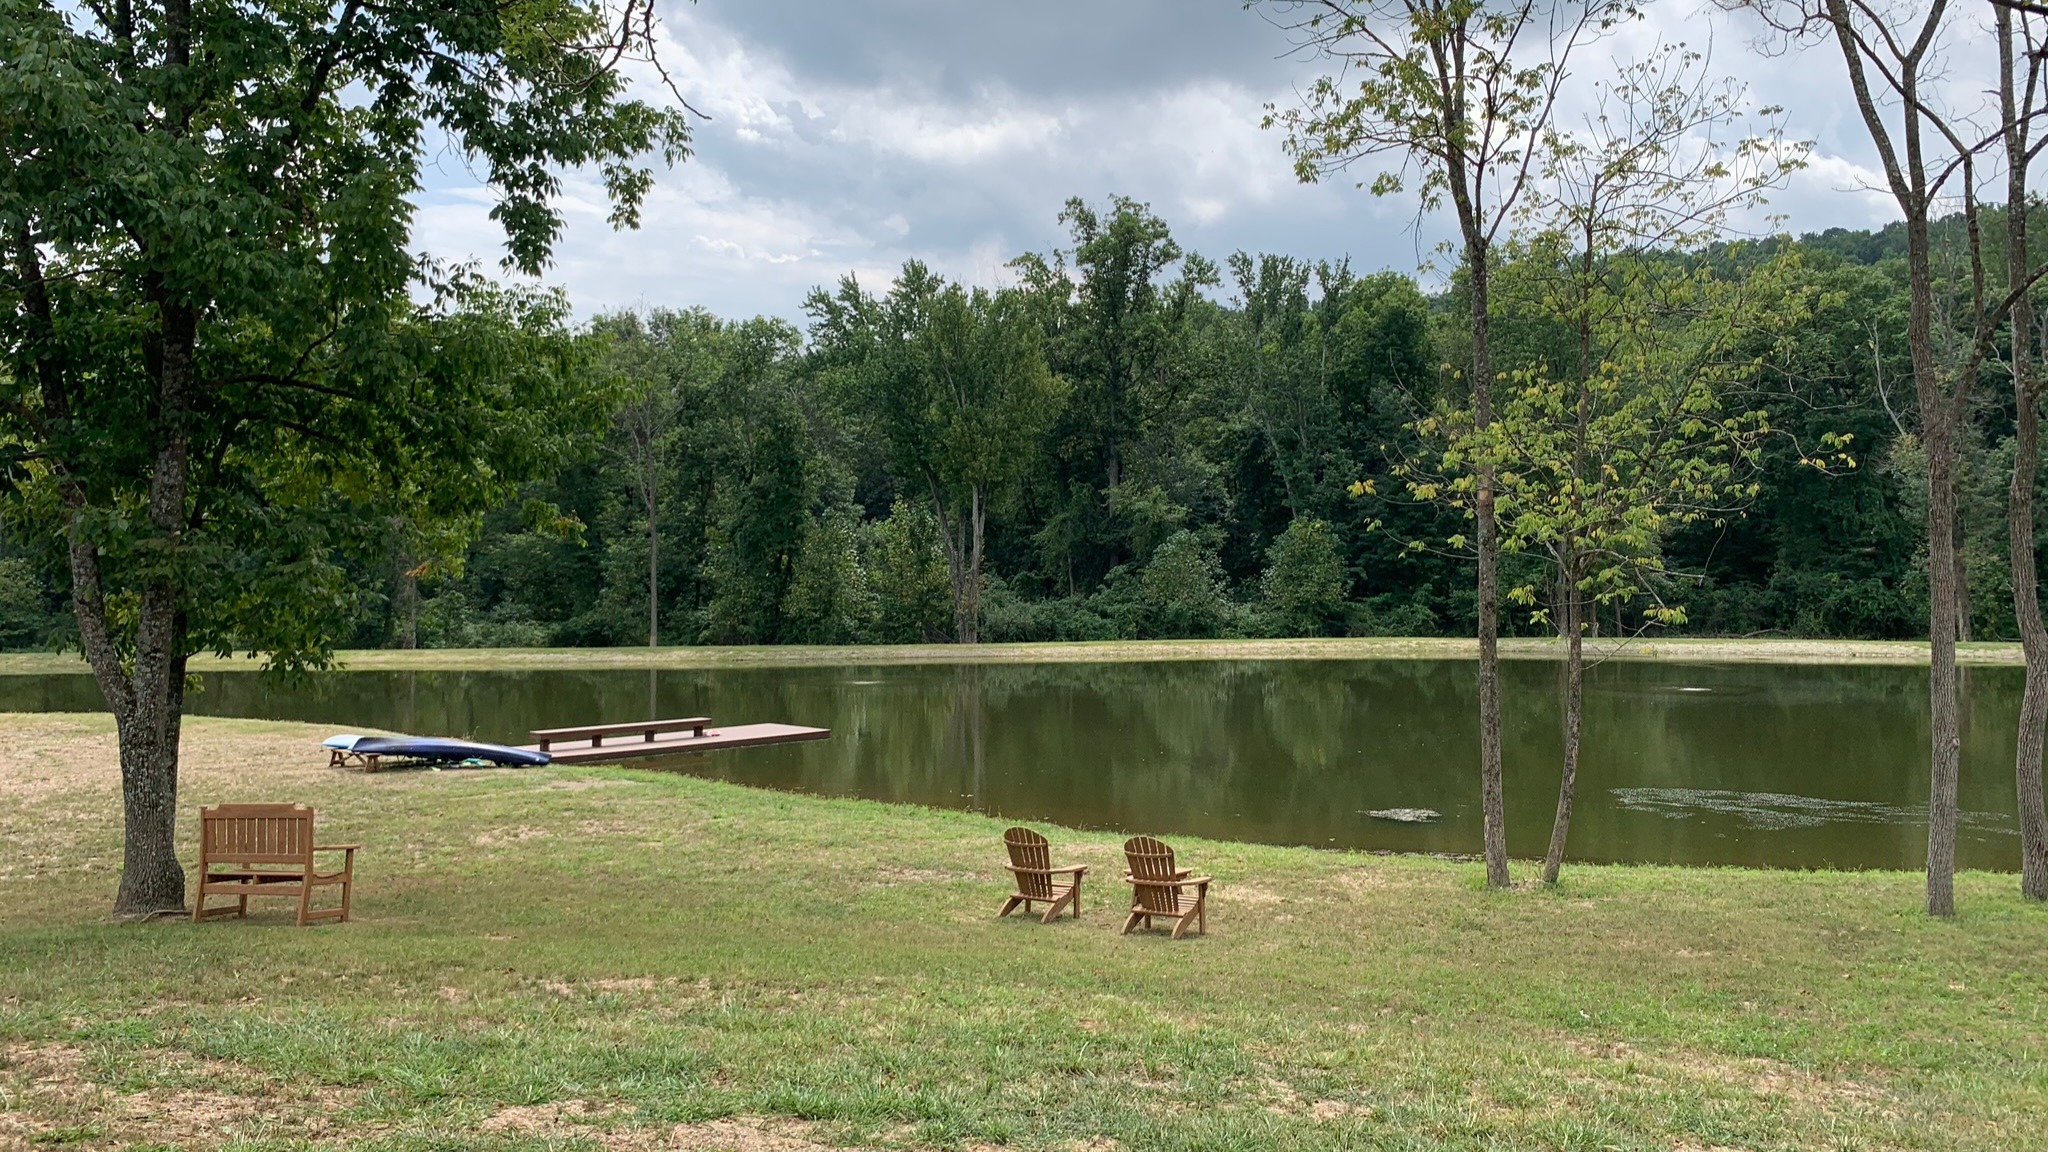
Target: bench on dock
column 647, row 730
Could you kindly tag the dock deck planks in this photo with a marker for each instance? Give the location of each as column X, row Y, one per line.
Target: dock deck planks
column 672, row 744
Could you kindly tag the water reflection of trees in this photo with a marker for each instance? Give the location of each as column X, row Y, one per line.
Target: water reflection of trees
column 1281, row 751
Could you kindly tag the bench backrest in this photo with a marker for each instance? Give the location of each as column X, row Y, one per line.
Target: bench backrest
column 1031, row 853
column 1151, row 860
column 256, row 834
column 629, row 728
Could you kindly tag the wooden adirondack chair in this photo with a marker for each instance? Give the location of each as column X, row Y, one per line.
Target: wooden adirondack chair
column 266, row 850
column 1160, row 889
column 1031, row 863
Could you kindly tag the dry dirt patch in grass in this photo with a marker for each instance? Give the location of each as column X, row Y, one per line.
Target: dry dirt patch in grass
column 1755, row 1076
column 51, row 1093
column 599, row 1125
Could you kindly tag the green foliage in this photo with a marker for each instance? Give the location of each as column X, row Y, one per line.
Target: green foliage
column 829, row 599
column 1182, row 589
column 1299, row 398
column 226, row 369
column 26, row 618
column 906, row 567
column 1302, row 591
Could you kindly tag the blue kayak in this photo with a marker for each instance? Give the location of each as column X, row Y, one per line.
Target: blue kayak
column 437, row 750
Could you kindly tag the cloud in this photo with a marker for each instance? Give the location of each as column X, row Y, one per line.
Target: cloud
column 845, row 139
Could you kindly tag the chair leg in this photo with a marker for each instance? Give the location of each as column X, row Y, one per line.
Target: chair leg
column 1052, row 913
column 1010, row 906
column 1130, row 922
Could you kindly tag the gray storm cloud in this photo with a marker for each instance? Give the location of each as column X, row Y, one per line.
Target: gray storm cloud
column 846, row 137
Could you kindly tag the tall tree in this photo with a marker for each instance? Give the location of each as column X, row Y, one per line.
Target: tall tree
column 2021, row 92
column 1895, row 54
column 1116, row 327
column 956, row 383
column 217, row 372
column 644, row 423
column 1464, row 91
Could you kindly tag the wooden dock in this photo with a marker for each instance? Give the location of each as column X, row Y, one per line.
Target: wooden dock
column 671, row 743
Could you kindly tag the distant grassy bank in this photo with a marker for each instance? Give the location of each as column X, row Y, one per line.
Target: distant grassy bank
column 573, row 959
column 1672, row 649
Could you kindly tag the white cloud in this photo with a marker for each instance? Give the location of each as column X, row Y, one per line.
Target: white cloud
column 811, row 168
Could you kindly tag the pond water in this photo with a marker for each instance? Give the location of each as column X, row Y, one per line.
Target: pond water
column 1801, row 767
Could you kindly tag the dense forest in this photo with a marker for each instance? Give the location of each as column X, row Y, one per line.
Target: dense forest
column 1133, row 440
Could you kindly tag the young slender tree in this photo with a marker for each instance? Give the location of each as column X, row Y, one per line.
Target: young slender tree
column 218, row 371
column 2021, row 94
column 1934, row 160
column 1461, row 92
column 1657, row 166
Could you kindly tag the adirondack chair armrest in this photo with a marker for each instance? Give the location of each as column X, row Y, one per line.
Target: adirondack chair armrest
column 1177, row 883
column 1076, row 869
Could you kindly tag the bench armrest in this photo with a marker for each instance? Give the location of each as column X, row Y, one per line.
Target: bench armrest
column 336, row 847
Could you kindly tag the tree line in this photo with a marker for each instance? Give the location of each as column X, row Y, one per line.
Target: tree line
column 1185, row 450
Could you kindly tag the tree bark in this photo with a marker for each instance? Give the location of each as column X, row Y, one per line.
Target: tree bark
column 1938, row 428
column 970, row 598
column 653, row 564
column 1574, row 696
column 953, row 535
column 1906, row 174
column 148, row 715
column 1492, row 804
column 2026, row 466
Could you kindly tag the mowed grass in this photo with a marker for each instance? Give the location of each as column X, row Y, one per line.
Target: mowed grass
column 601, row 958
column 1679, row 649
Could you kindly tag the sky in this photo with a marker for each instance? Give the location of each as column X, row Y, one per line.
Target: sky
column 847, row 136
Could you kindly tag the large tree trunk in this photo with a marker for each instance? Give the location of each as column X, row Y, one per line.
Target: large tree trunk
column 147, row 697
column 1492, row 805
column 2019, row 514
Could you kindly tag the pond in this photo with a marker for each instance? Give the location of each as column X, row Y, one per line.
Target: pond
column 1779, row 766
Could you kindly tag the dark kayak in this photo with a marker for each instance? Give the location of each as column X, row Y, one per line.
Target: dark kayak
column 438, row 750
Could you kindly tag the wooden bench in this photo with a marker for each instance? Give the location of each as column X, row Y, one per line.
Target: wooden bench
column 266, row 850
column 645, row 729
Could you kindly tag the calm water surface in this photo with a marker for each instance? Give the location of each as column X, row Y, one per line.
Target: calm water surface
column 1800, row 767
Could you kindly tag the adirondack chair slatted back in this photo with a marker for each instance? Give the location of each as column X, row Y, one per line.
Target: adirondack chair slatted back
column 1151, row 860
column 1032, row 854
column 256, row 834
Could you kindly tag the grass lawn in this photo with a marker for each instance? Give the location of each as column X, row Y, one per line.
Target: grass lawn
column 1682, row 649
column 597, row 958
